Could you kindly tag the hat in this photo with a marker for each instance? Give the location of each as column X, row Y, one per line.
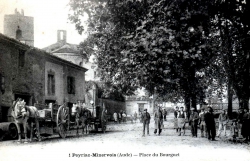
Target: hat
column 192, row 108
column 145, row 109
column 181, row 107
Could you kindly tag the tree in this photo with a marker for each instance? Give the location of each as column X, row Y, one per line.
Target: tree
column 159, row 45
column 232, row 19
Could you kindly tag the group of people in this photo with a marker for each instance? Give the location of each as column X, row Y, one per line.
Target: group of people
column 159, row 115
column 205, row 119
column 119, row 117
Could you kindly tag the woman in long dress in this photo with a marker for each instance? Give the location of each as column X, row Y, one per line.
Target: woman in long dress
column 175, row 118
column 181, row 120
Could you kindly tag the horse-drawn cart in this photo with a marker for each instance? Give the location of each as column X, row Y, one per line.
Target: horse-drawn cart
column 54, row 119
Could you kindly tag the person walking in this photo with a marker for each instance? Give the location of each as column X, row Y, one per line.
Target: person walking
column 193, row 121
column 135, row 117
column 104, row 119
column 223, row 120
column 115, row 117
column 175, row 118
column 145, row 117
column 124, row 116
column 210, row 123
column 245, row 125
column 181, row 120
column 119, row 117
column 158, row 117
column 165, row 114
column 202, row 123
column 240, row 121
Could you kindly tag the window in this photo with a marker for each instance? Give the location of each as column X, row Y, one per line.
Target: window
column 51, row 84
column 71, row 85
column 21, row 60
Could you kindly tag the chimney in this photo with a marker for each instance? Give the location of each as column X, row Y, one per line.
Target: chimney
column 62, row 36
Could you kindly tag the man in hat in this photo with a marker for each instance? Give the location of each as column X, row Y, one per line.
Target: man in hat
column 193, row 121
column 240, row 121
column 223, row 120
column 210, row 123
column 202, row 122
column 145, row 117
column 158, row 117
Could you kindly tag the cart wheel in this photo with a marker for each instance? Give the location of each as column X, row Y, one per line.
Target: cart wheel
column 62, row 121
column 13, row 134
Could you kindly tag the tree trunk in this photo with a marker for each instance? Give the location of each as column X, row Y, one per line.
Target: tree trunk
column 230, row 98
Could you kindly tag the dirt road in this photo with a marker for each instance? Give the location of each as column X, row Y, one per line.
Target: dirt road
column 123, row 142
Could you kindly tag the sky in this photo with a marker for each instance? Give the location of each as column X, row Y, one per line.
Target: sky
column 49, row 16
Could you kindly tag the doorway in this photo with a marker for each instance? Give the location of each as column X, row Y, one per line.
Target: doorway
column 25, row 97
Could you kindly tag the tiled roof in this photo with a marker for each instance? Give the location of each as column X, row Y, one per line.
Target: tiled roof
column 18, row 43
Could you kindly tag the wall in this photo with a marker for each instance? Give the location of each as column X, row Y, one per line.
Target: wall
column 30, row 81
column 112, row 106
column 26, row 81
column 132, row 106
column 26, row 25
column 59, row 90
column 79, row 84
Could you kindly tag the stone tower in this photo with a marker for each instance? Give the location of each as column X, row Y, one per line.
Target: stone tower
column 16, row 21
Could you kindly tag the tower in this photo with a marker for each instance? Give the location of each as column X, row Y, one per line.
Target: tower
column 16, row 21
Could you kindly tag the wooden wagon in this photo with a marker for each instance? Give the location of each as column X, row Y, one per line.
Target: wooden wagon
column 54, row 119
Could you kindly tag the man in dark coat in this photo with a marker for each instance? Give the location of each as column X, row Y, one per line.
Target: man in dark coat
column 240, row 121
column 158, row 117
column 145, row 117
column 245, row 125
column 193, row 120
column 210, row 123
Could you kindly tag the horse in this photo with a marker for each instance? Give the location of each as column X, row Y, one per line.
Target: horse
column 82, row 116
column 23, row 114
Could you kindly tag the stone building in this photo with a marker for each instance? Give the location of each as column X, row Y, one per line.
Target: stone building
column 72, row 53
column 14, row 23
column 138, row 104
column 37, row 77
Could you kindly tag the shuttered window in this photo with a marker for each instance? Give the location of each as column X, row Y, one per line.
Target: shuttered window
column 51, row 84
column 71, row 85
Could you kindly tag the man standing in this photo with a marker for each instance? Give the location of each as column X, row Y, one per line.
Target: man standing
column 165, row 114
column 245, row 125
column 210, row 123
column 135, row 116
column 193, row 120
column 175, row 118
column 240, row 121
column 202, row 123
column 223, row 120
column 158, row 117
column 145, row 117
column 115, row 117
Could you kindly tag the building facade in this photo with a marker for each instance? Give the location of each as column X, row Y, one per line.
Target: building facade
column 138, row 104
column 72, row 53
column 37, row 77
